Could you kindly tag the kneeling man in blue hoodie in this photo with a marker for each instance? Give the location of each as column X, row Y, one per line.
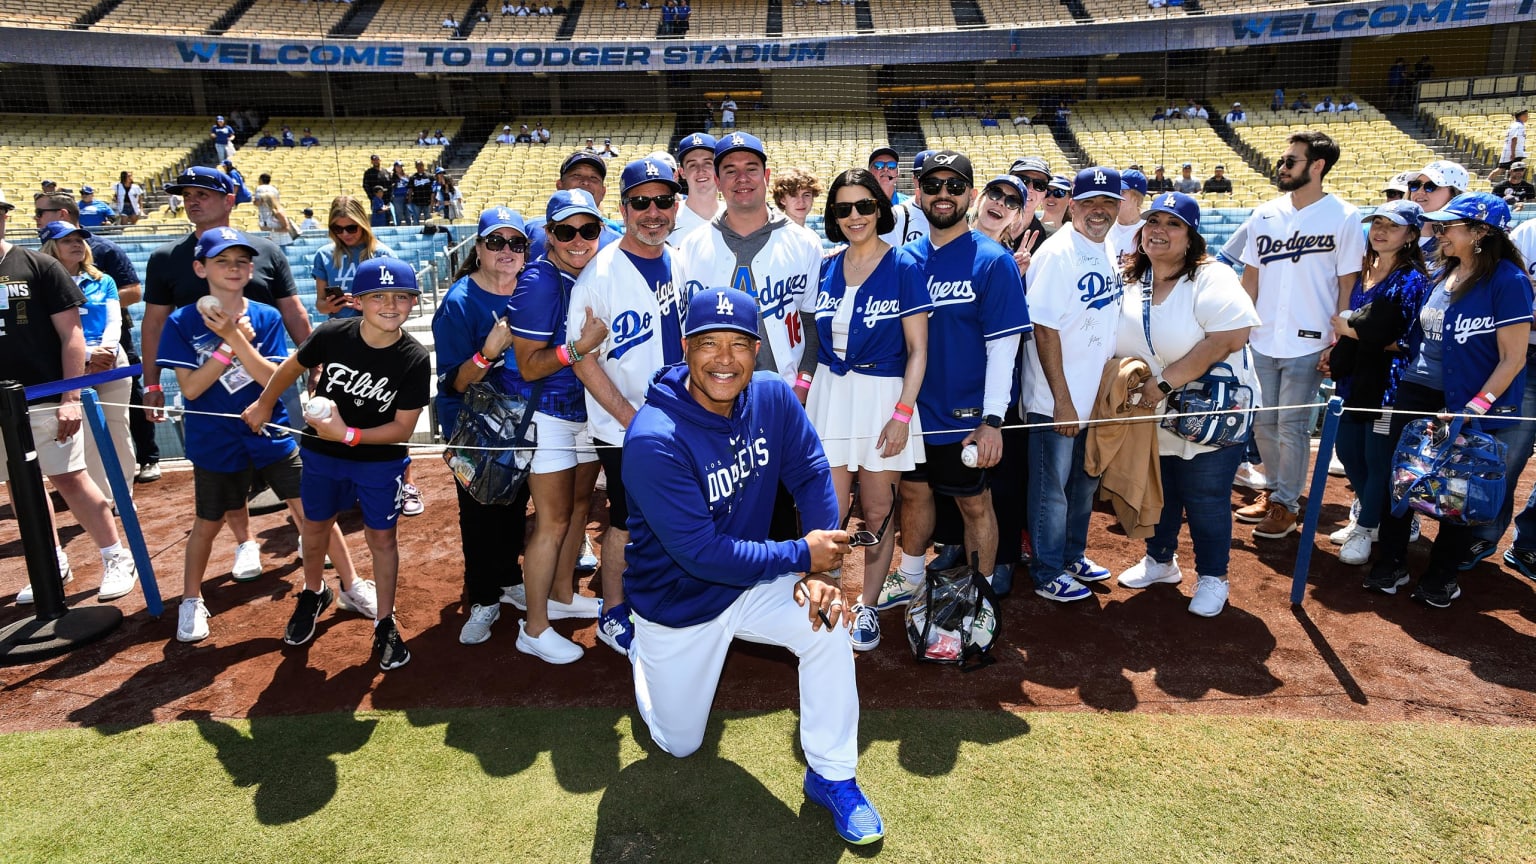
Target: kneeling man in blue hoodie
column 703, row 459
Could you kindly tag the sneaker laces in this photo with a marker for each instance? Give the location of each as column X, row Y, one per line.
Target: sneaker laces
column 865, row 618
column 846, row 796
column 483, row 614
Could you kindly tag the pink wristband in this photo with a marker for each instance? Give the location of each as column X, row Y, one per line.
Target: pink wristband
column 900, row 417
column 1479, row 405
column 563, row 354
column 803, row 381
column 219, row 356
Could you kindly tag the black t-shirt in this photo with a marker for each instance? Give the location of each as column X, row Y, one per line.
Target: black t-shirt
column 1524, row 190
column 169, row 280
column 421, row 189
column 367, row 384
column 1156, row 185
column 375, row 177
column 1217, row 184
column 36, row 287
column 1034, row 225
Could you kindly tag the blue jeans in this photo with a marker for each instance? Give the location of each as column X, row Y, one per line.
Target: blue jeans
column 1283, row 437
column 1520, row 441
column 418, row 213
column 1199, row 490
column 402, row 216
column 1060, row 500
column 1367, row 459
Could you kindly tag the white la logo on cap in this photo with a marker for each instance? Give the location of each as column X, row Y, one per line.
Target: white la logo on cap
column 502, row 214
column 738, row 141
column 723, row 306
column 228, row 233
column 651, row 169
column 944, row 158
column 386, row 277
column 1168, row 200
column 1098, row 178
column 698, row 140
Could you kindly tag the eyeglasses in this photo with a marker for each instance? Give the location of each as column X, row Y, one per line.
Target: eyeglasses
column 40, row 211
column 1057, row 193
column 865, row 206
column 1291, row 161
column 953, row 185
column 496, row 243
column 1035, row 183
column 1426, row 185
column 1004, row 198
column 884, row 164
column 644, row 202
column 864, row 537
column 346, row 229
column 1439, row 228
column 567, row 233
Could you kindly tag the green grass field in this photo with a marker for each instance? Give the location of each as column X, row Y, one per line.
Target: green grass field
column 574, row 785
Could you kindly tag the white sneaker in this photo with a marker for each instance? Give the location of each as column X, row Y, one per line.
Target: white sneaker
column 1252, row 477
column 579, row 607
column 1149, row 571
column 247, row 562
column 586, row 559
column 478, row 628
column 1210, row 596
column 1338, row 537
column 362, row 598
column 66, row 575
column 1335, row 467
column 118, row 577
column 548, row 646
column 328, row 564
column 192, row 620
column 517, row 595
column 1356, row 548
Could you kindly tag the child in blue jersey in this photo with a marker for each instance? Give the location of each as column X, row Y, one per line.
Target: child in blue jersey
column 379, row 379
column 223, row 356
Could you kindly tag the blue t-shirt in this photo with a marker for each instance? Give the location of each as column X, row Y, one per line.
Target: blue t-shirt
column 537, row 311
column 402, row 187
column 1425, row 370
column 222, row 134
column 94, row 213
column 93, row 315
column 977, row 296
column 339, row 274
column 1470, row 342
column 459, row 327
column 657, row 273
column 877, row 344
column 226, row 444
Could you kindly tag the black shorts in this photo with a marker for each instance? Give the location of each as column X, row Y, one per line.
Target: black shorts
column 945, row 473
column 216, row 493
column 612, row 460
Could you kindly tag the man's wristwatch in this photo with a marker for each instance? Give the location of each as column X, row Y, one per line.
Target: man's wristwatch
column 1164, row 386
column 993, row 420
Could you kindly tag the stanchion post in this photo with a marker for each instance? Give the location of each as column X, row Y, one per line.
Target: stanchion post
column 122, row 493
column 1315, row 499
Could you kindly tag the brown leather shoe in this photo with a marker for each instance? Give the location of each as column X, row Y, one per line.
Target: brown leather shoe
column 1254, row 512
column 1277, row 523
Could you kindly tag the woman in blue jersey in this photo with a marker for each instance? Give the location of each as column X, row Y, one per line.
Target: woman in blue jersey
column 472, row 341
column 352, row 243
column 870, row 317
column 1367, row 365
column 564, row 465
column 1470, row 359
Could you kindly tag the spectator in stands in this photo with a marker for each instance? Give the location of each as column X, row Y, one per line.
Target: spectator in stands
column 540, row 134
column 1158, row 182
column 309, row 139
column 1349, row 104
column 1327, row 106
column 483, row 17
column 335, row 265
column 590, row 148
column 1187, row 184
column 508, row 8
column 1513, row 148
column 684, row 12
column 608, row 152
column 621, row 4
column 669, row 17
column 1432, row 189
column 696, row 163
column 450, row 201
column 1397, row 83
column 128, row 199
column 1277, row 102
column 1423, row 70
column 1397, row 187
column 506, row 136
column 560, row 7
column 441, row 139
column 1218, row 183
column 728, row 113
column 400, row 193
column 1159, row 115
column 450, row 24
column 1236, row 115
column 1514, row 190
column 375, row 175
column 794, row 193
column 418, row 206
column 1196, row 111
column 1020, row 117
column 268, row 141
column 545, row 8
column 242, row 193
column 264, row 184
column 424, row 139
column 95, row 213
column 381, row 209
column 309, row 223
column 287, row 136
column 223, row 136
column 1301, row 103
column 1053, row 210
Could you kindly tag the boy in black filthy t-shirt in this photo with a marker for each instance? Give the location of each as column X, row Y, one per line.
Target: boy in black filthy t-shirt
column 376, row 379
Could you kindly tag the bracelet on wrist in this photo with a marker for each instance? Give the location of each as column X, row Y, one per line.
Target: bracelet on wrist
column 575, row 355
column 353, row 437
column 803, row 381
column 900, row 417
column 481, row 361
column 563, row 354
column 222, row 358
column 153, row 388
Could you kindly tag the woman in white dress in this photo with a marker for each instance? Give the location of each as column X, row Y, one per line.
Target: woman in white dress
column 871, row 317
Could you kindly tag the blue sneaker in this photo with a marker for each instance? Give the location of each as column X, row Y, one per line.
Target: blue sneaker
column 615, row 628
column 896, row 591
column 1002, row 580
column 1084, row 570
column 865, row 633
column 1064, row 589
column 855, row 818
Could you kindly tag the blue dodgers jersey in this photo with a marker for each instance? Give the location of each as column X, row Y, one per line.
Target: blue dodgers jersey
column 537, row 311
column 226, row 444
column 459, row 327
column 877, row 343
column 977, row 296
column 1470, row 343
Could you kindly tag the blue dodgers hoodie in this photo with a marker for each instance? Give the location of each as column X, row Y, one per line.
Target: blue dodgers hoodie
column 701, row 489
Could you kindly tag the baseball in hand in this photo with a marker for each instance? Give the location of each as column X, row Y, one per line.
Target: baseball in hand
column 207, row 305
column 318, row 408
column 968, row 455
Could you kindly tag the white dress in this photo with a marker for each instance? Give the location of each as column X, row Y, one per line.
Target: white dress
column 849, row 411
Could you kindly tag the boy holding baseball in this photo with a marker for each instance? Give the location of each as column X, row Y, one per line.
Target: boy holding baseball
column 375, row 382
column 223, row 350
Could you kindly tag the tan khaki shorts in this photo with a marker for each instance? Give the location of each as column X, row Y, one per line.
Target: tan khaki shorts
column 51, row 457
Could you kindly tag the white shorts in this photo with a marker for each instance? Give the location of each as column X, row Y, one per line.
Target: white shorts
column 52, row 457
column 563, row 444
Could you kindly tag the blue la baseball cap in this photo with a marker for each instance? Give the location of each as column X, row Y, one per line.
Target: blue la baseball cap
column 384, row 274
column 1133, row 179
column 1011, row 182
column 59, row 230
column 647, row 170
column 1100, row 181
column 729, row 144
column 501, row 217
column 920, row 158
column 1476, row 206
column 216, row 240
column 598, row 163
column 1178, row 205
column 201, row 177
column 696, row 141
column 86, row 190
column 1060, row 181
column 1401, row 212
column 722, row 309
column 570, row 202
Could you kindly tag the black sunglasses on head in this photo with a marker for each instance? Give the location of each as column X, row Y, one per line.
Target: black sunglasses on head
column 865, row 206
column 953, row 185
column 496, row 243
column 1009, row 201
column 567, row 233
column 641, row 203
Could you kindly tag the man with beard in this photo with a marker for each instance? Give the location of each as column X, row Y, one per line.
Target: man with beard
column 629, row 287
column 696, row 164
column 1304, row 250
column 978, row 317
column 1074, row 296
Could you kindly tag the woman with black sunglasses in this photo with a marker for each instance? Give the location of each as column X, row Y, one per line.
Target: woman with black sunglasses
column 471, row 339
column 1432, row 188
column 874, row 348
column 352, row 243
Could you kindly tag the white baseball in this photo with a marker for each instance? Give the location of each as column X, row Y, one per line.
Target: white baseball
column 319, row 408
column 207, row 305
column 968, row 456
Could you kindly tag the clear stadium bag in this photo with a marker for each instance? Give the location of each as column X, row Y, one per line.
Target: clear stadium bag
column 1190, row 408
column 491, row 418
column 1451, row 471
column 953, row 619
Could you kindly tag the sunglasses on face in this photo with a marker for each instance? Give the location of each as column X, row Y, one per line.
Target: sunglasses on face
column 1426, row 185
column 1439, row 228
column 567, row 233
column 1035, row 183
column 1057, row 193
column 642, row 203
column 998, row 195
column 884, row 164
column 40, row 211
column 866, row 537
column 865, row 206
column 496, row 243
column 1291, row 161
column 346, row 229
column 953, row 185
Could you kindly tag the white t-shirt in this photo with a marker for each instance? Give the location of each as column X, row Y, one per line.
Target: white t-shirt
column 1514, row 143
column 1122, row 238
column 687, row 221
column 728, row 111
column 1072, row 288
column 1524, row 238
column 1212, row 302
column 910, row 224
column 1300, row 255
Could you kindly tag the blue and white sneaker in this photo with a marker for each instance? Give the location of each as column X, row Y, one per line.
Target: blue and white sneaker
column 855, row 818
column 616, row 629
column 586, row 559
column 1064, row 589
column 896, row 591
column 865, row 633
column 1084, row 570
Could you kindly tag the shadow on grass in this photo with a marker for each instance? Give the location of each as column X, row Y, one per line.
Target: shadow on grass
column 583, row 746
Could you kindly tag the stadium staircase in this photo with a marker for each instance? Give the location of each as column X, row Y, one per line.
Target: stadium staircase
column 96, row 13
column 356, row 20
column 863, row 19
column 1415, row 128
column 568, row 26
column 1074, row 151
column 903, row 132
column 471, row 19
column 775, row 25
column 968, row 13
column 230, row 16
column 467, row 145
